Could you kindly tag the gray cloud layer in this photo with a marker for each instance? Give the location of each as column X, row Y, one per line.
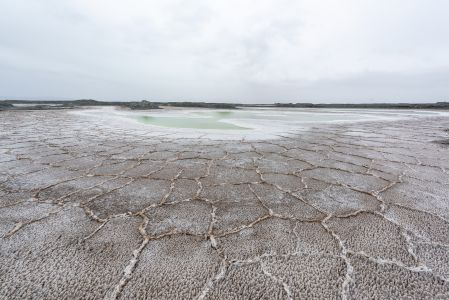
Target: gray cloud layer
column 246, row 51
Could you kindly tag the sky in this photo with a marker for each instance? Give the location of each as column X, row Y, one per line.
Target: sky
column 264, row 51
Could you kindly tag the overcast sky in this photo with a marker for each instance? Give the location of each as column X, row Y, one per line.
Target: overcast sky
column 258, row 51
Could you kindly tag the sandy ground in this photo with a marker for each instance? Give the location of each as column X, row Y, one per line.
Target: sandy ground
column 353, row 211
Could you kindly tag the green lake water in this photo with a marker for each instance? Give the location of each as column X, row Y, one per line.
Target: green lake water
column 216, row 119
column 223, row 119
column 189, row 122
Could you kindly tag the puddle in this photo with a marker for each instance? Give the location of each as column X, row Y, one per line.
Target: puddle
column 189, row 122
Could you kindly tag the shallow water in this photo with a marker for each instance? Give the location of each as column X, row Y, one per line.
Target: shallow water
column 188, row 122
column 250, row 119
column 228, row 120
column 247, row 123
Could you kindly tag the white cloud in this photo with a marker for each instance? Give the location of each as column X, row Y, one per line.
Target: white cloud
column 249, row 51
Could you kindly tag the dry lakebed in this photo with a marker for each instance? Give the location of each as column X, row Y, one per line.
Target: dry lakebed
column 246, row 204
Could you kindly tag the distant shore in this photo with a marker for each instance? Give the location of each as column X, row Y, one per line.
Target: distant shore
column 144, row 104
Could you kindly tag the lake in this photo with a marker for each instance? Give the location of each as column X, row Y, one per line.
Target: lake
column 243, row 123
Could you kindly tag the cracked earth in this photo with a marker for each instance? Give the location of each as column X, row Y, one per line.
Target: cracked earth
column 348, row 211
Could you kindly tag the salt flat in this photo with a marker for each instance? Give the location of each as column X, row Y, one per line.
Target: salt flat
column 100, row 207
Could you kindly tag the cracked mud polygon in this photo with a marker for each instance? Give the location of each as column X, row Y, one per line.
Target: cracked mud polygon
column 340, row 211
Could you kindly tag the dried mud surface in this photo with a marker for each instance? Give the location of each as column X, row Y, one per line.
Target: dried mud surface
column 350, row 211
